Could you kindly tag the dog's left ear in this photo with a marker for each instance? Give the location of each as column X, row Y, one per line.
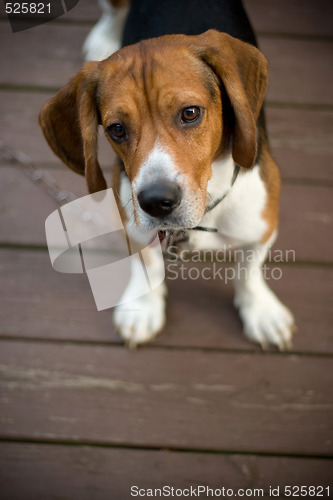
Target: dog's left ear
column 70, row 125
column 243, row 70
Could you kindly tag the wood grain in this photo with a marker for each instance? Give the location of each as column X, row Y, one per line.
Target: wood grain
column 167, row 399
column 99, row 473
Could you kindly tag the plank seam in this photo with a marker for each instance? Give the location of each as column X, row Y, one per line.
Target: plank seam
column 126, row 446
column 43, row 248
column 251, row 351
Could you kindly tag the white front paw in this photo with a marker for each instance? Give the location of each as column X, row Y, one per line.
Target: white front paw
column 265, row 319
column 140, row 320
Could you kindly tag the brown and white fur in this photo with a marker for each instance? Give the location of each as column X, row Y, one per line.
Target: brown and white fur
column 145, row 88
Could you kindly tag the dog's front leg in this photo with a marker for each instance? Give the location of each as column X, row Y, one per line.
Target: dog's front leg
column 139, row 321
column 265, row 319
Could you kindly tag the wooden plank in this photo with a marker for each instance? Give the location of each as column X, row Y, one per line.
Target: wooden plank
column 291, row 17
column 306, row 213
column 24, row 205
column 85, row 10
column 38, row 302
column 169, row 399
column 298, row 69
column 301, row 141
column 51, row 57
column 19, row 124
column 33, row 471
column 306, row 218
column 20, row 129
column 24, row 208
column 42, row 302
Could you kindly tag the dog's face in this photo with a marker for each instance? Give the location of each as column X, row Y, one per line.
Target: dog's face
column 165, row 105
column 163, row 117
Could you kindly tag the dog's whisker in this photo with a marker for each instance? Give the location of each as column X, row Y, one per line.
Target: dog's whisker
column 122, row 211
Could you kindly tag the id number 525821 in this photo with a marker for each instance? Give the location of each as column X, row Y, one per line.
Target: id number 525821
column 306, row 491
column 28, row 8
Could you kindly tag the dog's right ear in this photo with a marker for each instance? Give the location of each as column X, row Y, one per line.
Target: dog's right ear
column 70, row 124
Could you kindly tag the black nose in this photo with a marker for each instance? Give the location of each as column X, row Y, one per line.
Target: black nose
column 159, row 200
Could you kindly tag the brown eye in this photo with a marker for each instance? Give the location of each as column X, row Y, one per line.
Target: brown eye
column 117, row 132
column 191, row 114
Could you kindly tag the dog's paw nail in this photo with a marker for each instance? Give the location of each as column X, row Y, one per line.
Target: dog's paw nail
column 131, row 344
column 264, row 345
column 282, row 347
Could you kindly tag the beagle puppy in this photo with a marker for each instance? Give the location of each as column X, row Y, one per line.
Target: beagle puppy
column 181, row 104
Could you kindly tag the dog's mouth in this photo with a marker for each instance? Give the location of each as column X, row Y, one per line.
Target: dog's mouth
column 162, row 235
column 171, row 237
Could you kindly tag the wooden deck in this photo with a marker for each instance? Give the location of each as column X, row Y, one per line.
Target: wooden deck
column 83, row 417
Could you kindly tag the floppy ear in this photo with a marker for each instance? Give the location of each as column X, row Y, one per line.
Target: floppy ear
column 70, row 125
column 242, row 68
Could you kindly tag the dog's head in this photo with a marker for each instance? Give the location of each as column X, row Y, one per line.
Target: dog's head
column 169, row 107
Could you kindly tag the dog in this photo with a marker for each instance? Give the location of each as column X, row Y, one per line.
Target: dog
column 182, row 106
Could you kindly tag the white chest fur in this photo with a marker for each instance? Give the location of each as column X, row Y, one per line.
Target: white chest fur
column 239, row 217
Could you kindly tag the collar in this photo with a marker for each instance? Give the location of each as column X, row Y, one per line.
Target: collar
column 181, row 235
column 217, row 202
